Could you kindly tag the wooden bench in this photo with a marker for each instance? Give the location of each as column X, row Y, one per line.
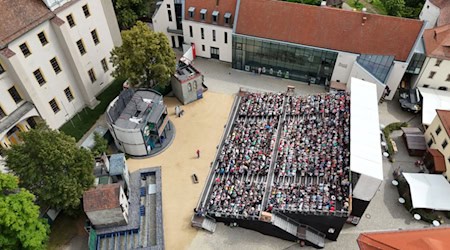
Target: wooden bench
column 194, row 178
column 394, row 146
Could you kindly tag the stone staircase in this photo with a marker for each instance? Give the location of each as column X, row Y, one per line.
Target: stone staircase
column 301, row 231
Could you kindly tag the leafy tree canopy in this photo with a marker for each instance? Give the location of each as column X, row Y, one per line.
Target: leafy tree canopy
column 394, row 7
column 145, row 57
column 20, row 225
column 101, row 145
column 129, row 11
column 52, row 166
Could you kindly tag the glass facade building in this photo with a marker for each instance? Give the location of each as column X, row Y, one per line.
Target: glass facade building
column 283, row 60
column 378, row 66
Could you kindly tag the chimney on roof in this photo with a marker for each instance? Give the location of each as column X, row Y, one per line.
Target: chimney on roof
column 323, row 4
column 364, row 18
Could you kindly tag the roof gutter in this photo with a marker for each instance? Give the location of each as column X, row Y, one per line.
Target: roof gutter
column 236, row 14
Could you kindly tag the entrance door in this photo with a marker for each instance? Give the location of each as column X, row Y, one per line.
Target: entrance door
column 180, row 41
column 215, row 53
column 13, row 135
column 173, row 41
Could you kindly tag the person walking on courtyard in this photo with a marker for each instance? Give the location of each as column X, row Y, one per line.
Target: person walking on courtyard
column 198, row 153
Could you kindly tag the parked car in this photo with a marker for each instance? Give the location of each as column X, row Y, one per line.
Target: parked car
column 411, row 100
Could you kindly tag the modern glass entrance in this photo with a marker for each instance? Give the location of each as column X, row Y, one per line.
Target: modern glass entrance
column 283, row 60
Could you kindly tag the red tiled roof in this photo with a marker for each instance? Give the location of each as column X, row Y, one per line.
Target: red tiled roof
column 444, row 116
column 438, row 160
column 223, row 6
column 102, row 197
column 417, row 239
column 329, row 28
column 19, row 16
column 444, row 15
column 437, row 42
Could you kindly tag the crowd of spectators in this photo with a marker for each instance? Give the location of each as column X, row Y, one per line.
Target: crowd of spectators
column 261, row 104
column 313, row 155
column 312, row 167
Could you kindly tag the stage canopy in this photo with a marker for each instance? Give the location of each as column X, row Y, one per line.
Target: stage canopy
column 433, row 99
column 429, row 191
column 365, row 147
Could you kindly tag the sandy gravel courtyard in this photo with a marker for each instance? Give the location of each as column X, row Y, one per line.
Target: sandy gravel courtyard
column 201, row 128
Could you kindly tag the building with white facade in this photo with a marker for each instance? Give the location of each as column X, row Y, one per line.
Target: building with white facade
column 301, row 42
column 54, row 60
column 437, row 137
column 435, row 58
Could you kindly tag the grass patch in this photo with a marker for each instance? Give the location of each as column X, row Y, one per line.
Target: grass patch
column 64, row 229
column 86, row 118
column 387, row 134
column 378, row 5
column 356, row 4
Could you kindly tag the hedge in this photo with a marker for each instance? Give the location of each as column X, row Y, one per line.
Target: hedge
column 387, row 134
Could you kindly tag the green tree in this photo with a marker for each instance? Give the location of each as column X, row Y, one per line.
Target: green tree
column 129, row 11
column 51, row 166
column 394, row 7
column 20, row 225
column 145, row 57
column 101, row 145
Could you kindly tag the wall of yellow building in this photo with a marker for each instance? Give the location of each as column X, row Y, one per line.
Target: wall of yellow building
column 438, row 139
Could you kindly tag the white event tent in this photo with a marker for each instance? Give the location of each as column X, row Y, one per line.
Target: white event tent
column 365, row 144
column 429, row 191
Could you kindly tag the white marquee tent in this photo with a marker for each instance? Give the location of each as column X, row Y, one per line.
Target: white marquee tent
column 365, row 144
column 433, row 99
column 429, row 191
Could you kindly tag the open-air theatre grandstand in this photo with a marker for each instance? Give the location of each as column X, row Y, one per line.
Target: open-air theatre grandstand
column 285, row 164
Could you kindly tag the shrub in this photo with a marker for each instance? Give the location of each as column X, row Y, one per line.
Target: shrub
column 387, row 134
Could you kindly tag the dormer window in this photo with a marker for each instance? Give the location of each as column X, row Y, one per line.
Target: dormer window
column 203, row 14
column 227, row 17
column 191, row 11
column 215, row 16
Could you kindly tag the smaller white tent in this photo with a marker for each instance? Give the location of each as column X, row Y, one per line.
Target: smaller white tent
column 430, row 191
column 433, row 99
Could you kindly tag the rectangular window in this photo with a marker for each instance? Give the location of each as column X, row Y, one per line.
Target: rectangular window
column 203, row 14
column 215, row 16
column 81, row 48
column 170, row 15
column 430, row 142
column 42, row 38
column 214, row 35
column 190, row 31
column 2, row 113
column 69, row 94
column 432, row 73
column 92, row 75
column 438, row 130
column 202, row 33
column 55, row 65
column 168, row 6
column 95, row 37
column 1, row 69
column 39, row 77
column 191, row 14
column 31, row 122
column 448, row 77
column 15, row 95
column 86, row 11
column 203, row 47
column 438, row 62
column 227, row 20
column 104, row 65
column 225, row 37
column 70, row 20
column 24, row 48
column 54, row 106
column 444, row 144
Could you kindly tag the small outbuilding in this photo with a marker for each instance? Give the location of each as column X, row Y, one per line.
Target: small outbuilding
column 106, row 205
column 187, row 83
column 415, row 141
